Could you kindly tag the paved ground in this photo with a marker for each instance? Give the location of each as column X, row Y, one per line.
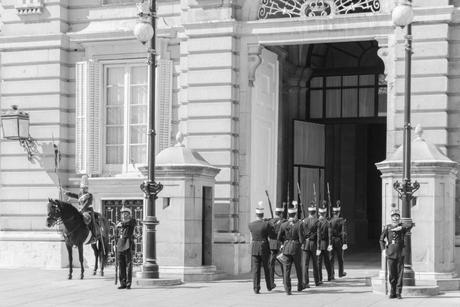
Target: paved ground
column 34, row 287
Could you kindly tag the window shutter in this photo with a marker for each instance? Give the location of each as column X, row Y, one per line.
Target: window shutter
column 164, row 103
column 94, row 114
column 81, row 123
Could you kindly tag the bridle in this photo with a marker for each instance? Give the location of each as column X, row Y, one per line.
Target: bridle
column 59, row 220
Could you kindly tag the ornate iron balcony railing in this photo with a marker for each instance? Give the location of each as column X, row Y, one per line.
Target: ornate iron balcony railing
column 313, row 8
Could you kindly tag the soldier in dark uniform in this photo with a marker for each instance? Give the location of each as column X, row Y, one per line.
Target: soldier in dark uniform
column 85, row 203
column 274, row 243
column 310, row 231
column 292, row 237
column 392, row 249
column 125, row 247
column 339, row 243
column 260, row 251
column 324, row 244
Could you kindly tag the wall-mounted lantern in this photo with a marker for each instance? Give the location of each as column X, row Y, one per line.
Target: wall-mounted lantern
column 15, row 127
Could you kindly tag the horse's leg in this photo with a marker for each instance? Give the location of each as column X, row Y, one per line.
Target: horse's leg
column 80, row 256
column 101, row 254
column 96, row 254
column 70, row 256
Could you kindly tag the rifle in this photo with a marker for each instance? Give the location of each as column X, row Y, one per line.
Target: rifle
column 386, row 275
column 116, row 253
column 314, row 197
column 300, row 210
column 329, row 204
column 116, row 262
column 288, row 200
column 269, row 203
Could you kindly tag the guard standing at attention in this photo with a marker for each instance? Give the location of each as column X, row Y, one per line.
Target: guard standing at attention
column 274, row 243
column 392, row 244
column 339, row 243
column 310, row 231
column 260, row 251
column 125, row 247
column 324, row 244
column 292, row 237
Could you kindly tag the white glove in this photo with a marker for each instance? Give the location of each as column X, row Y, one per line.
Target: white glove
column 318, row 252
column 118, row 225
column 345, row 247
column 329, row 248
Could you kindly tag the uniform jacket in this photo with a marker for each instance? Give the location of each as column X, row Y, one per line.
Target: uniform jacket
column 395, row 240
column 292, row 236
column 85, row 200
column 260, row 231
column 126, row 235
column 324, row 234
column 310, row 231
column 339, row 235
column 273, row 240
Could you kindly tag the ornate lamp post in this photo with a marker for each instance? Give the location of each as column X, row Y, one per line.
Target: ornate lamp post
column 402, row 16
column 144, row 32
column 15, row 126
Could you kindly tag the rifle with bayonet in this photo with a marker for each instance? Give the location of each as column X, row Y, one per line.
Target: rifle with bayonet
column 314, row 198
column 269, row 203
column 300, row 209
column 329, row 203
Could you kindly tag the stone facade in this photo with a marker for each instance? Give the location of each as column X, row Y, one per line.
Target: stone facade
column 52, row 58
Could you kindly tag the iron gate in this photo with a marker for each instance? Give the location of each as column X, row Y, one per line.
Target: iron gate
column 111, row 211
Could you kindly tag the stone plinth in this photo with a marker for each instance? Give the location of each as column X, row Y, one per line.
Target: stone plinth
column 184, row 240
column 433, row 237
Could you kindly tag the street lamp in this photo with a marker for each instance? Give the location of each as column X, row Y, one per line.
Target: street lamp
column 144, row 32
column 15, row 126
column 402, row 16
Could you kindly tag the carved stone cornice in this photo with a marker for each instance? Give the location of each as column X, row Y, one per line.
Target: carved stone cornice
column 254, row 60
column 29, row 7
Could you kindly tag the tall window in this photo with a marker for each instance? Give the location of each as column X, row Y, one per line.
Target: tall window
column 125, row 117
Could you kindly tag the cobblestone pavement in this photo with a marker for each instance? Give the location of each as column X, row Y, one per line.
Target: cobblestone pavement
column 35, row 287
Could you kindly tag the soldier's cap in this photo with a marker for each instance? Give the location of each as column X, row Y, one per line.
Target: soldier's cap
column 279, row 209
column 335, row 208
column 292, row 210
column 125, row 209
column 395, row 212
column 260, row 208
column 312, row 208
column 322, row 210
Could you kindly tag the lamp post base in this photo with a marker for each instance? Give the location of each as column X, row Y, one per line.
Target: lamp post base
column 156, row 282
column 149, row 270
column 408, row 277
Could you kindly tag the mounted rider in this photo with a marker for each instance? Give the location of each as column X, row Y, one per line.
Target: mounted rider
column 85, row 204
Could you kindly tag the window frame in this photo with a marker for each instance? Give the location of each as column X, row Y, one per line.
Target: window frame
column 125, row 167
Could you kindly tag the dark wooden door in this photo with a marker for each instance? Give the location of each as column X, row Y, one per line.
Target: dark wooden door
column 207, row 226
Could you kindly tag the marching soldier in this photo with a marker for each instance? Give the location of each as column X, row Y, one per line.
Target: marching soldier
column 125, row 247
column 85, row 203
column 324, row 244
column 274, row 243
column 291, row 236
column 260, row 251
column 339, row 243
column 392, row 249
column 310, row 231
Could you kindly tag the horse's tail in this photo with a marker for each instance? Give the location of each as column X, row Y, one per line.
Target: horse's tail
column 104, row 239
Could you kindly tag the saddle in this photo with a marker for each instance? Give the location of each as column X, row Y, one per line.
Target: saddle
column 93, row 227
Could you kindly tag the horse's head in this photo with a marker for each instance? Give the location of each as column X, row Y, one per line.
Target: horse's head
column 54, row 213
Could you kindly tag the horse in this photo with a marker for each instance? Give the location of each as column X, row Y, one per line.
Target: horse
column 76, row 233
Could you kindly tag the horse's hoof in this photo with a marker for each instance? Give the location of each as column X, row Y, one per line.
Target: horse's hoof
column 81, row 277
column 102, row 273
column 94, row 273
column 70, row 277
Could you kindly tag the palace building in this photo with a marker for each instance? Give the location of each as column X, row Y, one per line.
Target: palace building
column 280, row 95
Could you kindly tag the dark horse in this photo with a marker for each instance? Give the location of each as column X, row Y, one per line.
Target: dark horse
column 77, row 233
